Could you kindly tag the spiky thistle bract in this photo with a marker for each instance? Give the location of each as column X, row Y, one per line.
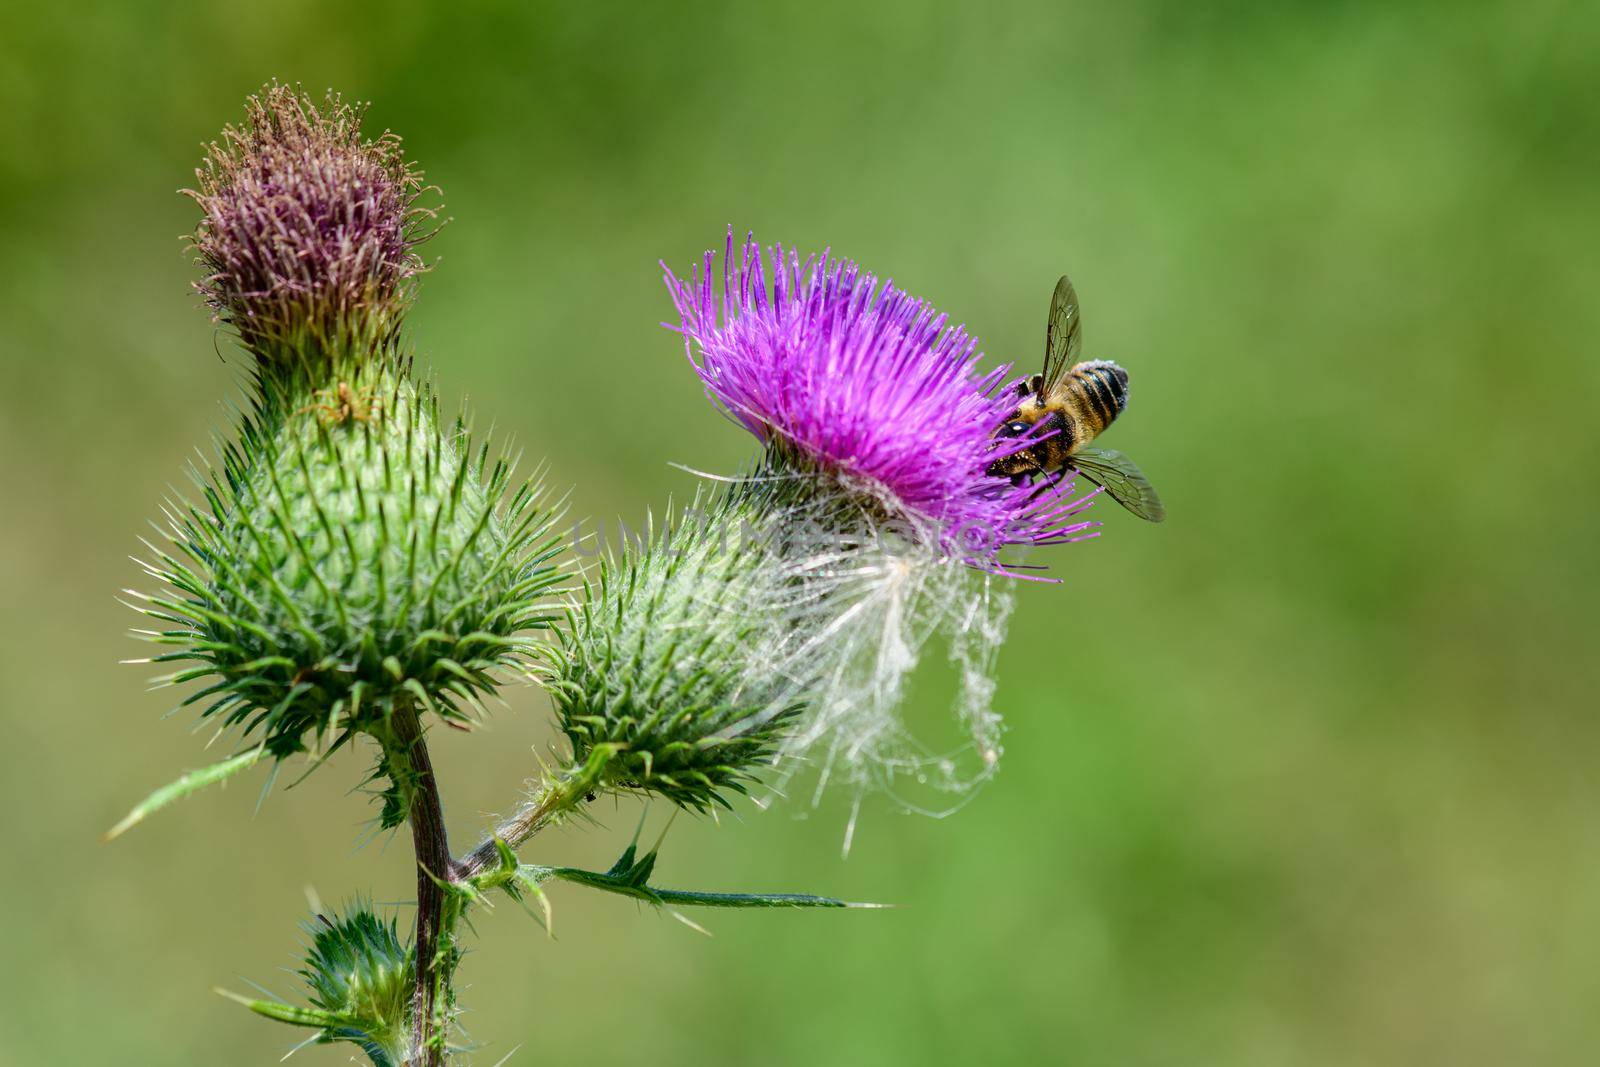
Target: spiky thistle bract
column 339, row 568
column 673, row 655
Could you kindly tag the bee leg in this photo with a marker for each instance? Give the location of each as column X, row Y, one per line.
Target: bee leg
column 1050, row 482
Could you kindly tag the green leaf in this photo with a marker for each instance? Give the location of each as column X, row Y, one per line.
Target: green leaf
column 630, row 877
column 286, row 1013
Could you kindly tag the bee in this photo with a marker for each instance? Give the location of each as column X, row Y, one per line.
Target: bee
column 343, row 404
column 1077, row 400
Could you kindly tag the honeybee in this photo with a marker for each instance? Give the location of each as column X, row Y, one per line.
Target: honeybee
column 1078, row 400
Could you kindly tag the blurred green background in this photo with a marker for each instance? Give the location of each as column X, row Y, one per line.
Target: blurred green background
column 1305, row 776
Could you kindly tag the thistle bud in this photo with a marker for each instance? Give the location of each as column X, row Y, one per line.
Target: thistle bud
column 359, row 969
column 354, row 558
column 309, row 233
column 675, row 663
column 360, row 978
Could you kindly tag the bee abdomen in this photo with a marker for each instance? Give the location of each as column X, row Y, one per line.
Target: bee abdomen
column 1102, row 388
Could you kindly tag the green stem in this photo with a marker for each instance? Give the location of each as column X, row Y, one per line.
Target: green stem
column 554, row 800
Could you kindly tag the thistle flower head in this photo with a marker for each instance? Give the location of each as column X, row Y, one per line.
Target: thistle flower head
column 879, row 433
column 309, row 228
column 871, row 386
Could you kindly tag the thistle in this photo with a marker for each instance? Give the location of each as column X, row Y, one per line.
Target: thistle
column 355, row 562
column 878, row 422
column 868, row 393
column 354, row 569
column 355, row 566
column 341, row 572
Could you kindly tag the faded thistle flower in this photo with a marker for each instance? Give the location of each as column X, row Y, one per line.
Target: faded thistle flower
column 355, row 560
column 309, row 229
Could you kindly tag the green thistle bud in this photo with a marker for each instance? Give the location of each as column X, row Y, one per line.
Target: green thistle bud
column 353, row 557
column 673, row 660
column 359, row 970
column 359, row 974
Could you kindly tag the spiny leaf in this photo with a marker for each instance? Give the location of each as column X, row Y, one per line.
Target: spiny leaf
column 630, row 877
column 285, row 1013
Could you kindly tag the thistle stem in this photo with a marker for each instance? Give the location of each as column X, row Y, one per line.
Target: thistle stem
column 434, row 867
column 558, row 796
column 529, row 820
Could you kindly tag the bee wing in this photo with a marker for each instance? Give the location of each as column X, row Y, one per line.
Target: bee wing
column 1121, row 478
column 1063, row 334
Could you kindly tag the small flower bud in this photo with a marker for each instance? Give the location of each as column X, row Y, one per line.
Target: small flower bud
column 361, row 978
column 359, row 968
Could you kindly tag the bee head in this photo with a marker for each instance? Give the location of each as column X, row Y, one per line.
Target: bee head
column 1016, row 464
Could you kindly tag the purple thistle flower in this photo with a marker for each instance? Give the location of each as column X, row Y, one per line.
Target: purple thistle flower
column 308, row 228
column 869, row 383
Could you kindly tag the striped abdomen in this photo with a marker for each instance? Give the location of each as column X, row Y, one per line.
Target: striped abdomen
column 1091, row 395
